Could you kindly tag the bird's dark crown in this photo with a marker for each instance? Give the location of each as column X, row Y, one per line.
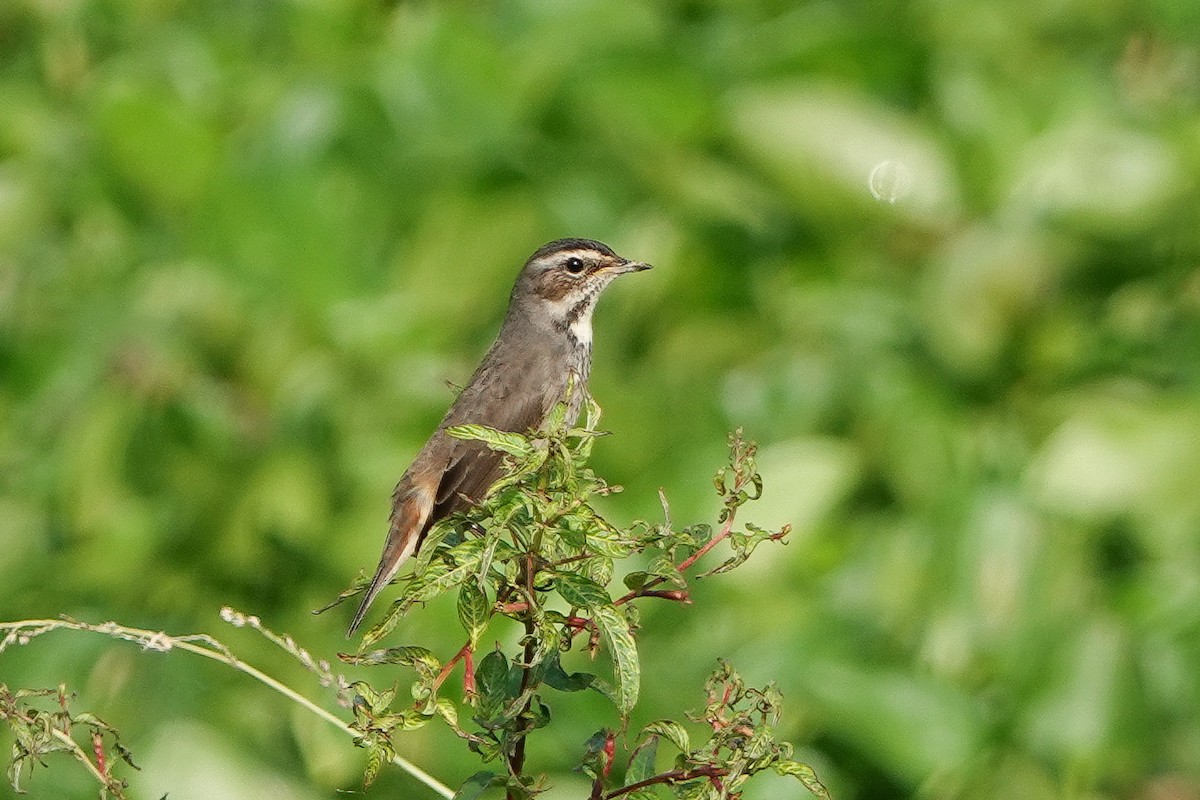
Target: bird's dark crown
column 563, row 245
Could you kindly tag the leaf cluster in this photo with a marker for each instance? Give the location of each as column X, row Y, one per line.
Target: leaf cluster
column 39, row 732
column 741, row 743
column 536, row 551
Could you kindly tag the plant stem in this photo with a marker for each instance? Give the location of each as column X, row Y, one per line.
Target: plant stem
column 516, row 762
column 464, row 655
column 675, row 776
column 76, row 750
column 208, row 647
column 645, row 589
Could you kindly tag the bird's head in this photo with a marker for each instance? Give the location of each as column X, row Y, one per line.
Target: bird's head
column 561, row 282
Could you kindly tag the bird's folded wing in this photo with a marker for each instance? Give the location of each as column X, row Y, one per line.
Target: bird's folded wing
column 473, row 466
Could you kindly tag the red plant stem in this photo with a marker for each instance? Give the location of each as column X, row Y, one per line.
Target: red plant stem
column 512, row 608
column 469, row 673
column 678, row 595
column 645, row 590
column 674, row 776
column 463, row 653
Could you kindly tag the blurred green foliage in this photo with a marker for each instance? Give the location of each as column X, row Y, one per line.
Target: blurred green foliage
column 941, row 258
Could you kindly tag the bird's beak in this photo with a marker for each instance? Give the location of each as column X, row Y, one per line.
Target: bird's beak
column 621, row 267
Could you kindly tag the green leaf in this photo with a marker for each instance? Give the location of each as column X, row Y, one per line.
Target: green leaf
column 473, row 610
column 379, row 752
column 373, row 702
column 546, row 637
column 448, row 711
column 419, row 657
column 641, row 763
column 605, row 542
column 556, row 420
column 385, row 626
column 477, row 784
column 664, row 567
column 409, row 719
column 698, row 534
column 581, row 591
column 492, row 672
column 361, row 582
column 599, row 570
column 636, row 580
column 440, row 576
column 434, row 537
column 491, row 678
column 670, row 730
column 804, row 773
column 614, row 632
column 556, row 677
column 430, row 581
column 596, row 758
column 618, row 640
column 512, row 443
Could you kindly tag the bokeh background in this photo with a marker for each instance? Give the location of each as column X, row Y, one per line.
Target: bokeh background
column 940, row 258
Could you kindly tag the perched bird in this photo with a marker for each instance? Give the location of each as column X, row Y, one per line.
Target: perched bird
column 546, row 338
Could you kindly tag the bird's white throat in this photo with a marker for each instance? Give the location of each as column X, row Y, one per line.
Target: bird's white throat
column 573, row 315
column 581, row 329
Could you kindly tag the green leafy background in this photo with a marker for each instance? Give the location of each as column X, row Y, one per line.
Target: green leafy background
column 941, row 259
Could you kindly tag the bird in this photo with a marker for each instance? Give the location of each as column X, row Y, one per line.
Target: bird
column 544, row 346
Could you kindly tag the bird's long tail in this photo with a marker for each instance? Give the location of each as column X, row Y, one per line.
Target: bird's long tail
column 407, row 524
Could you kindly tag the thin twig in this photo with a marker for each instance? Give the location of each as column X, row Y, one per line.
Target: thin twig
column 675, row 776
column 464, row 654
column 644, row 590
column 202, row 645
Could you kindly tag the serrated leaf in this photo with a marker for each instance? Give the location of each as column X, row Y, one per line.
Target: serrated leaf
column 525, row 787
column 581, row 591
column 618, row 640
column 434, row 537
column 473, row 610
column 474, row 786
column 556, row 420
column 385, row 626
column 527, row 466
column 408, row 720
column 599, row 570
column 361, row 582
column 570, row 534
column 504, row 441
column 671, row 731
column 608, row 543
column 440, row 576
column 408, row 656
column 378, row 754
column 363, row 689
column 805, row 774
column 761, row 743
column 546, row 638
column 448, row 711
column 697, row 790
column 664, row 567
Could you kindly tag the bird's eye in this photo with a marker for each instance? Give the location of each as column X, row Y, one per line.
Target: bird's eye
column 574, row 265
